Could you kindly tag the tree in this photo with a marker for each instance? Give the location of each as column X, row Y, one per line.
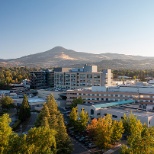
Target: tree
column 41, row 140
column 5, row 132
column 133, row 127
column 52, row 105
column 6, row 102
column 117, row 131
column 141, row 144
column 24, row 112
column 17, row 144
column 76, row 102
column 52, row 118
column 91, row 128
column 73, row 116
column 62, row 139
column 38, row 140
column 44, row 115
column 104, row 131
column 83, row 120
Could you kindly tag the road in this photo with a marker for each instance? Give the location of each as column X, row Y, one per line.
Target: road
column 31, row 122
column 78, row 148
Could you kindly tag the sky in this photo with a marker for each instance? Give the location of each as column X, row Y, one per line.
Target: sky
column 94, row 26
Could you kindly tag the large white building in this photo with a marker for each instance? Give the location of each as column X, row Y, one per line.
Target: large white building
column 117, row 110
column 81, row 77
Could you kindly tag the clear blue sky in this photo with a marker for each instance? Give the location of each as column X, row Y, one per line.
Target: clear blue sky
column 95, row 26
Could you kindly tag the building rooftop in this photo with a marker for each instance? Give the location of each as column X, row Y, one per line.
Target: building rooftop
column 105, row 105
column 36, row 100
column 125, row 110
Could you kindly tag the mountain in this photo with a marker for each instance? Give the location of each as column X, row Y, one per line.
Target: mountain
column 59, row 56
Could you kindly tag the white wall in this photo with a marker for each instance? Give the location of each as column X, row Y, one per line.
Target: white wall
column 99, row 88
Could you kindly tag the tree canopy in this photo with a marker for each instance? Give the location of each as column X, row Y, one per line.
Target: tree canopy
column 51, row 117
column 6, row 102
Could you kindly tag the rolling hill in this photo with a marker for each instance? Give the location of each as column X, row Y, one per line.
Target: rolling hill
column 59, row 56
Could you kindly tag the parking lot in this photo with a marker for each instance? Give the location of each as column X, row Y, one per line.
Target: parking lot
column 81, row 142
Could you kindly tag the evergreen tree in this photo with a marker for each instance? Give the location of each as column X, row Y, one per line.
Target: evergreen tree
column 52, row 105
column 62, row 138
column 41, row 140
column 24, row 112
column 44, row 115
column 51, row 117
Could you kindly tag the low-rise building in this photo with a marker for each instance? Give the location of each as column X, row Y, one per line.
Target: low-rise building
column 34, row 102
column 114, row 93
column 117, row 111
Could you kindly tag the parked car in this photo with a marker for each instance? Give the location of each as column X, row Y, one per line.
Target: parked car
column 91, row 145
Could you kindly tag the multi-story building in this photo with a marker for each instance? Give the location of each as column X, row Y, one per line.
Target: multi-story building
column 81, row 77
column 117, row 93
column 42, row 79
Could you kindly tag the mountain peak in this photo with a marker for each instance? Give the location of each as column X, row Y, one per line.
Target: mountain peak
column 60, row 56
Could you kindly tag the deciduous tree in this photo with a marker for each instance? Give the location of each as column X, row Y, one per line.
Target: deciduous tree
column 83, row 120
column 5, row 132
column 73, row 117
column 117, row 131
column 6, row 102
column 76, row 102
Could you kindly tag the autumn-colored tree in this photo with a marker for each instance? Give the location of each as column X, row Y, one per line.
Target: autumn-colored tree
column 44, row 115
column 52, row 105
column 41, row 140
column 117, row 131
column 133, row 127
column 82, row 120
column 57, row 123
column 24, row 112
column 104, row 131
column 73, row 117
column 141, row 144
column 38, row 140
column 5, row 132
column 91, row 128
column 51, row 117
column 6, row 102
column 17, row 144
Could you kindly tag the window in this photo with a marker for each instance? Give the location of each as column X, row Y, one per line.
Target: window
column 105, row 114
column 114, row 116
column 92, row 111
column 122, row 117
column 98, row 114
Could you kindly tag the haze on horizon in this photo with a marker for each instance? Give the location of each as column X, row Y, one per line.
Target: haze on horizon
column 28, row 27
